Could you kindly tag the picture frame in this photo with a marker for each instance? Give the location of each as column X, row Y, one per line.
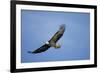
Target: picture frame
column 18, row 64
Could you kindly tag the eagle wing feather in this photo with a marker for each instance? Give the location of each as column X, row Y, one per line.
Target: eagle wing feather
column 41, row 49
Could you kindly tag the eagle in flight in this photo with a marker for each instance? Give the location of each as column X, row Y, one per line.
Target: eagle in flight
column 52, row 42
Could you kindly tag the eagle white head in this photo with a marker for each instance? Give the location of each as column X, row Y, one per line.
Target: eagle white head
column 47, row 43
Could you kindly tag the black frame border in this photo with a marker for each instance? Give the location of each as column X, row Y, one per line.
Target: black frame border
column 13, row 35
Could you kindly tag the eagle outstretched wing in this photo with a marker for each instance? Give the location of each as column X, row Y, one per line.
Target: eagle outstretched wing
column 58, row 34
column 41, row 49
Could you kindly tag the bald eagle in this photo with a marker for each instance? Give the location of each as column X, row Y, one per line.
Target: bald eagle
column 52, row 42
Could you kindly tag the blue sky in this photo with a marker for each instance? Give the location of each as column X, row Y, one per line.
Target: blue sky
column 39, row 26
